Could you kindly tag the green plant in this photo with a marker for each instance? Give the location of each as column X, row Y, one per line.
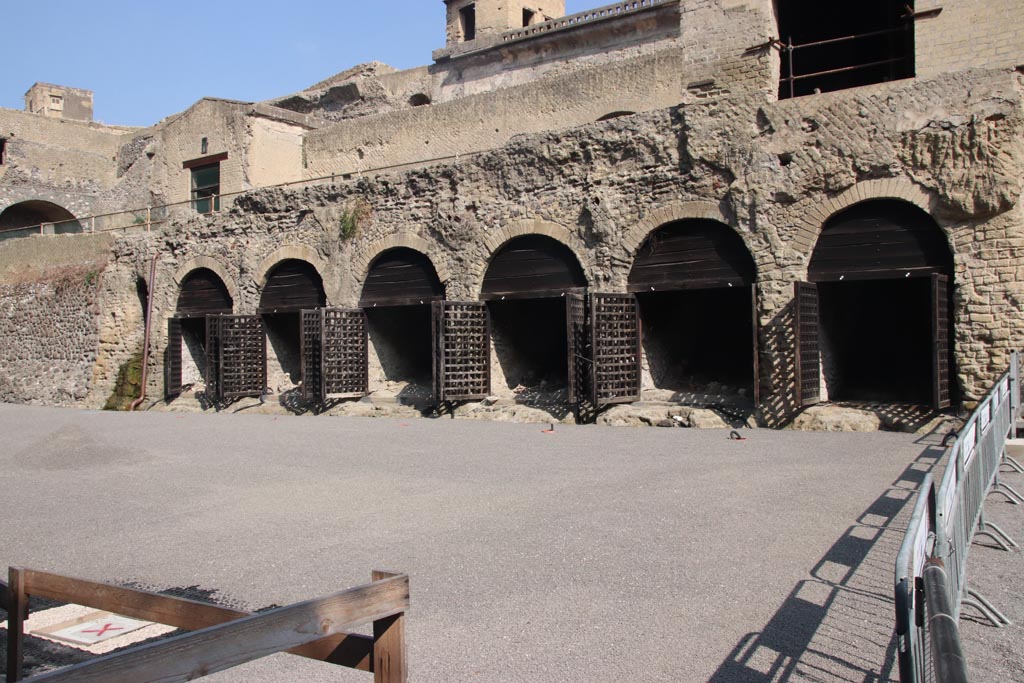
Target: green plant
column 91, row 277
column 351, row 217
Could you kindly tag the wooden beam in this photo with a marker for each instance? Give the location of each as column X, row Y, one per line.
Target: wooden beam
column 348, row 649
column 389, row 650
column 192, row 655
column 17, row 612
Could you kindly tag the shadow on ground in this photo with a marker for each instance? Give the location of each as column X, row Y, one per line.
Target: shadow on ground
column 837, row 625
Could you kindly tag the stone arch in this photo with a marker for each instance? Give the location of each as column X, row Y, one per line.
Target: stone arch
column 36, row 212
column 810, row 216
column 210, row 264
column 361, row 263
column 499, row 238
column 298, row 252
column 670, row 213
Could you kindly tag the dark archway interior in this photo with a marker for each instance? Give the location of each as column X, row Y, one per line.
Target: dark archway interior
column 31, row 214
column 292, row 286
column 401, row 336
column 284, row 336
column 202, row 293
column 531, row 342
column 883, row 50
column 876, row 340
column 697, row 338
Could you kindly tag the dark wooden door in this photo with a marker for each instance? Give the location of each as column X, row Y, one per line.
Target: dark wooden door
column 462, row 350
column 806, row 343
column 755, row 339
column 172, row 362
column 615, row 344
column 940, row 341
column 578, row 339
column 344, row 359
column 237, row 352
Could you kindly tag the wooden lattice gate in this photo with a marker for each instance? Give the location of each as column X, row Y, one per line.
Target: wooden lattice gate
column 172, row 361
column 807, row 350
column 462, row 350
column 236, row 348
column 334, row 354
column 604, row 351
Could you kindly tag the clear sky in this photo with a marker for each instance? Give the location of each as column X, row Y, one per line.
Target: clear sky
column 147, row 59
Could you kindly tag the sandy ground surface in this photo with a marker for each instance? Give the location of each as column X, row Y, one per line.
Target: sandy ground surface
column 589, row 554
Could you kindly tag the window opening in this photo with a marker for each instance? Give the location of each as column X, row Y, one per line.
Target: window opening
column 56, row 102
column 528, row 16
column 834, row 46
column 3, row 150
column 206, row 188
column 204, row 146
column 467, row 16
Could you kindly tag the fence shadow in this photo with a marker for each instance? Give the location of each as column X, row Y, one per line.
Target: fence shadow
column 838, row 624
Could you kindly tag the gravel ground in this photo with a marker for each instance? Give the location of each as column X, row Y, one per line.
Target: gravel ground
column 590, row 554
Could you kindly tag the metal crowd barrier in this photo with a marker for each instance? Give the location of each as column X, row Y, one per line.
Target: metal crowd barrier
column 942, row 527
column 912, row 646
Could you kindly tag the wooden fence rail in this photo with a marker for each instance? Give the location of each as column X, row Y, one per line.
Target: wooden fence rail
column 221, row 638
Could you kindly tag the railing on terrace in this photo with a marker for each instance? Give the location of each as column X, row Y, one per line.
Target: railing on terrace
column 601, row 13
column 146, row 218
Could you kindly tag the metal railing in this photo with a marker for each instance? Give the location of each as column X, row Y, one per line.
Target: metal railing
column 605, row 12
column 147, row 218
column 789, row 49
column 943, row 525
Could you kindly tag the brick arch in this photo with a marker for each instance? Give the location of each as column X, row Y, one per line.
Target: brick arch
column 361, row 263
column 499, row 238
column 810, row 216
column 211, row 264
column 298, row 252
column 670, row 213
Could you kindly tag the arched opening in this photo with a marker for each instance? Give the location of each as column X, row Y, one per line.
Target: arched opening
column 292, row 286
column 37, row 217
column 525, row 289
column 835, row 45
column 882, row 269
column 694, row 280
column 419, row 100
column 202, row 293
column 397, row 295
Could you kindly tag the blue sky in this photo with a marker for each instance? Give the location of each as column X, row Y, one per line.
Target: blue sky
column 147, row 59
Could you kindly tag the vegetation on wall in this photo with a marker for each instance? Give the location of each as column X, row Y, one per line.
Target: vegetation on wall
column 128, row 384
column 351, row 218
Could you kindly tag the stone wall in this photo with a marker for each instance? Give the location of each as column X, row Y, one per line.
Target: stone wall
column 774, row 172
column 50, row 294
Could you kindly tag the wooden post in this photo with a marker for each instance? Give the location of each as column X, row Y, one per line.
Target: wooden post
column 389, row 648
column 17, row 612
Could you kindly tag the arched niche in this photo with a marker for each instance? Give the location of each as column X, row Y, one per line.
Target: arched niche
column 400, row 277
column 532, row 267
column 881, row 284
column 33, row 213
column 203, row 292
column 695, row 283
column 291, row 286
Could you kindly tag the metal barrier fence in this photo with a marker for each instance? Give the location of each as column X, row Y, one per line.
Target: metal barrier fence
column 942, row 527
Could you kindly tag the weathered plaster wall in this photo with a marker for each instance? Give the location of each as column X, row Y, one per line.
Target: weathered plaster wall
column 68, row 163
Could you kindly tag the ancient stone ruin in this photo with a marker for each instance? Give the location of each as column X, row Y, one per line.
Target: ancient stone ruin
column 627, row 214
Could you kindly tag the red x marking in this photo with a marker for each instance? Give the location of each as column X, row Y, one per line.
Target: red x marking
column 106, row 627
